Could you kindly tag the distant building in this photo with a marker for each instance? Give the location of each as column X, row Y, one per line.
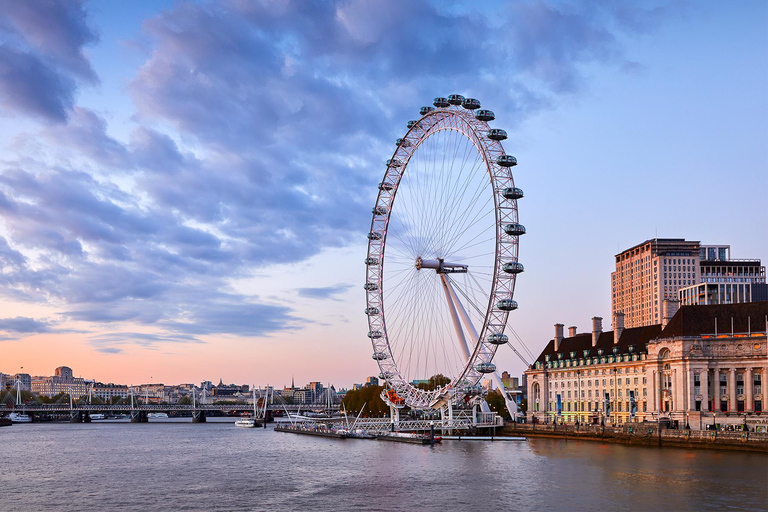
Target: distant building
column 109, row 391
column 372, row 381
column 63, row 381
column 24, row 379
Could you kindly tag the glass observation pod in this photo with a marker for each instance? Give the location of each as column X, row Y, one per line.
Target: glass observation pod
column 410, row 124
column 374, row 334
column 386, row 186
column 385, row 375
column 371, row 311
column 513, row 267
column 506, row 305
column 470, row 103
column 485, row 115
column 371, row 261
column 455, row 99
column 506, row 161
column 370, row 287
column 374, row 235
column 379, row 356
column 497, row 339
column 379, row 210
column 426, row 110
column 514, row 229
column 394, row 162
column 403, row 143
column 497, row 134
column 512, row 193
column 471, row 390
column 485, row 367
column 441, row 102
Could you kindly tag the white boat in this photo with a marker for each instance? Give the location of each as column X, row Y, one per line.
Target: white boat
column 97, row 416
column 18, row 417
column 245, row 423
column 157, row 415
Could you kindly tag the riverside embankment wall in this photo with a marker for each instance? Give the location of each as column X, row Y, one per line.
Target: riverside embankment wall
column 645, row 434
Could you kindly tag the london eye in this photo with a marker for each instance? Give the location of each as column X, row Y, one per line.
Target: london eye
column 442, row 257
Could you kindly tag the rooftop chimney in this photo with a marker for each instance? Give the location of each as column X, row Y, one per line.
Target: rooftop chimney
column 558, row 336
column 668, row 309
column 572, row 331
column 618, row 326
column 597, row 329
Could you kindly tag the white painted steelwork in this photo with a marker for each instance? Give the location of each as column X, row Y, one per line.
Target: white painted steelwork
column 416, row 230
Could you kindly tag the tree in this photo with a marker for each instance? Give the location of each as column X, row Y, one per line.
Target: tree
column 435, row 382
column 497, row 404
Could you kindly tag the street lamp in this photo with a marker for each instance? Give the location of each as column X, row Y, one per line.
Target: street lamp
column 687, row 425
column 714, row 416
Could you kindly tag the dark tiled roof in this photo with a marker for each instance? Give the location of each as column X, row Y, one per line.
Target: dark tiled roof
column 697, row 320
column 637, row 337
column 688, row 321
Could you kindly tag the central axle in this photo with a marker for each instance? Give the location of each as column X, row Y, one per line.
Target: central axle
column 440, row 266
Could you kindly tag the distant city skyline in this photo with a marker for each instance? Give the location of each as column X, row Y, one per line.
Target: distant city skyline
column 185, row 188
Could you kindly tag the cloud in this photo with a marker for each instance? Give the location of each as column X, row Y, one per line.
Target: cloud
column 259, row 136
column 41, row 57
column 23, row 325
column 327, row 292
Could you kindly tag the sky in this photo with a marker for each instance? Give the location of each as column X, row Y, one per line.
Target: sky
column 186, row 187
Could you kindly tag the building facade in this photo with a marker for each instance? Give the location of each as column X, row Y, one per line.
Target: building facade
column 708, row 364
column 672, row 269
column 63, row 381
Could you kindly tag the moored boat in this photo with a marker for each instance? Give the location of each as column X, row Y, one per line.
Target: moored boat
column 245, row 423
column 157, row 415
column 97, row 416
column 404, row 437
column 17, row 417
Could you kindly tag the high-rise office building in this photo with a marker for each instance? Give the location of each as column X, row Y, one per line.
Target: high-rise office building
column 662, row 272
column 649, row 273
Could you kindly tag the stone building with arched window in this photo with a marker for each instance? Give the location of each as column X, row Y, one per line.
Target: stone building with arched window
column 704, row 365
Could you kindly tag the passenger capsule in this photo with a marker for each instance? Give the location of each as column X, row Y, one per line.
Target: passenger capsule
column 506, row 161
column 410, row 124
column 405, row 143
column 379, row 210
column 506, row 305
column 371, row 261
column 497, row 134
column 497, row 339
column 394, row 162
column 370, row 287
column 374, row 334
column 455, row 99
column 370, row 311
column 512, row 193
column 386, row 186
column 472, row 390
column 485, row 367
column 441, row 102
column 485, row 115
column 379, row 356
column 513, row 267
column 426, row 110
column 385, row 375
column 470, row 103
column 514, row 229
column 374, row 235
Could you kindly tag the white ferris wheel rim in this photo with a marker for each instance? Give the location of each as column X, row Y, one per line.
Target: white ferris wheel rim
column 502, row 284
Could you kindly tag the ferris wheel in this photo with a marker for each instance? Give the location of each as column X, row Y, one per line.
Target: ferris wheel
column 442, row 256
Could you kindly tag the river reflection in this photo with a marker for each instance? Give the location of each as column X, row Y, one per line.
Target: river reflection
column 215, row 466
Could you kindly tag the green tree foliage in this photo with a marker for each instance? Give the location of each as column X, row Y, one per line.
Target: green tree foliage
column 368, row 398
column 435, row 382
column 496, row 402
column 185, row 400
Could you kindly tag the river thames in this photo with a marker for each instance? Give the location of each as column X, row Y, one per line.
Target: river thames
column 177, row 465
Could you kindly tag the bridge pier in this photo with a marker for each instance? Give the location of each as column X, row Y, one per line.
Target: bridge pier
column 198, row 416
column 139, row 417
column 86, row 417
column 75, row 417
